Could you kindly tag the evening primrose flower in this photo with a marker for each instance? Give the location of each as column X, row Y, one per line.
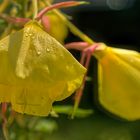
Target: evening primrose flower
column 36, row 70
column 119, row 81
column 118, row 78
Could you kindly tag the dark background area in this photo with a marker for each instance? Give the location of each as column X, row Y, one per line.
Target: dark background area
column 117, row 25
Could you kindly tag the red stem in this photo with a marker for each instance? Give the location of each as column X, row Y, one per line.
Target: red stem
column 4, row 109
column 85, row 60
column 77, row 45
column 55, row 6
column 14, row 20
column 79, row 92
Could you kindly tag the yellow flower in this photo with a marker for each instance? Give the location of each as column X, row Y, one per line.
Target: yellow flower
column 57, row 29
column 36, row 70
column 119, row 81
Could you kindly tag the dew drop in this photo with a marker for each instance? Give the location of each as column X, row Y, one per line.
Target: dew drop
column 47, row 70
column 26, row 35
column 38, row 52
column 47, row 50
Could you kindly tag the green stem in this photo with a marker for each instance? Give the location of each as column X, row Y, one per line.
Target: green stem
column 4, row 124
column 5, row 132
column 35, row 8
column 79, row 33
column 4, row 5
column 25, row 8
column 71, row 26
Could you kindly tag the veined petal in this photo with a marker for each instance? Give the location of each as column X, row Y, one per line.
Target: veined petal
column 119, row 82
column 37, row 69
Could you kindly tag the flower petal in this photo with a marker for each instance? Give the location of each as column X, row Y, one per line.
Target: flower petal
column 37, row 69
column 119, row 82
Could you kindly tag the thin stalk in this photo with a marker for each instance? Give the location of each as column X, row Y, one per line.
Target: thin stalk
column 4, row 124
column 79, row 33
column 79, row 92
column 5, row 131
column 35, row 8
column 15, row 20
column 4, row 5
column 56, row 6
column 77, row 45
column 85, row 61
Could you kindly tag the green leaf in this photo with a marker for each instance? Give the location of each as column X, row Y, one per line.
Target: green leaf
column 46, row 126
column 81, row 113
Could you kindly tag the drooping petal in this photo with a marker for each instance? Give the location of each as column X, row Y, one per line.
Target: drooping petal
column 119, row 82
column 36, row 70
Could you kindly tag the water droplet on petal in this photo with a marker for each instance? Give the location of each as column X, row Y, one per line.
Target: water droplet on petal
column 38, row 52
column 26, row 35
column 47, row 50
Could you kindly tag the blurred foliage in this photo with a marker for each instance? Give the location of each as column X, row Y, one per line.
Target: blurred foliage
column 80, row 113
column 97, row 126
column 32, row 128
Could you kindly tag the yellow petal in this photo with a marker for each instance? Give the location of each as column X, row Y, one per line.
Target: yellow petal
column 119, row 82
column 36, row 70
column 58, row 28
